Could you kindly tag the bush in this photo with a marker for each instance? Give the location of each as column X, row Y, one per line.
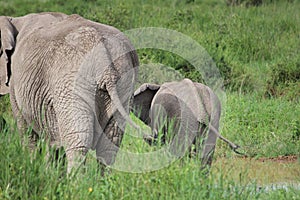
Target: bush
column 249, row 45
column 246, row 2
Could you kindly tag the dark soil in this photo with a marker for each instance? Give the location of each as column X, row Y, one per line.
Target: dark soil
column 280, row 159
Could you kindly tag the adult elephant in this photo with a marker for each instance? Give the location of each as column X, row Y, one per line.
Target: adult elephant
column 69, row 77
column 184, row 110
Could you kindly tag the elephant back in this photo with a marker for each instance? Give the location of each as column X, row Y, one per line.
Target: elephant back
column 210, row 102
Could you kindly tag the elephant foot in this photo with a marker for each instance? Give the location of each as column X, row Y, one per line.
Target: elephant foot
column 103, row 169
column 150, row 139
column 76, row 158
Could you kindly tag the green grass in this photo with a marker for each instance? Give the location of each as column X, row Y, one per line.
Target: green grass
column 256, row 50
column 29, row 175
column 263, row 127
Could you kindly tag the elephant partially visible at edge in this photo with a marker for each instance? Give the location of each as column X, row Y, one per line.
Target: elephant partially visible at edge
column 190, row 110
column 69, row 76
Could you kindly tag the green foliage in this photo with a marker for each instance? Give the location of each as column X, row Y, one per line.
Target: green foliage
column 242, row 41
column 2, row 123
column 5, row 103
column 28, row 174
column 246, row 2
column 256, row 49
column 157, row 74
column 5, row 109
column 259, row 125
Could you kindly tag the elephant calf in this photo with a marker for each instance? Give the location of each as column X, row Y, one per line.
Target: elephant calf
column 185, row 108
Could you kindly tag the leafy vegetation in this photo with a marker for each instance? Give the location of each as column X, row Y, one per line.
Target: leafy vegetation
column 29, row 175
column 255, row 48
column 259, row 125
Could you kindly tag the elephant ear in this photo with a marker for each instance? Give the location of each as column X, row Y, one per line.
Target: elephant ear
column 142, row 101
column 7, row 45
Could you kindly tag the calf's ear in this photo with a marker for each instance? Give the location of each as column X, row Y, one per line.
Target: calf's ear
column 142, row 101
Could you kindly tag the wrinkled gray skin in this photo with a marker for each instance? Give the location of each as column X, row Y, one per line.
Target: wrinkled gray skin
column 190, row 108
column 72, row 78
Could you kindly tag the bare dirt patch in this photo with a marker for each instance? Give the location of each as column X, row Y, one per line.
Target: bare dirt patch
column 262, row 170
column 280, row 159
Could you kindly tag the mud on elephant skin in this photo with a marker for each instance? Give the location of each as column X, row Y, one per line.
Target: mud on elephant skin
column 71, row 77
column 191, row 110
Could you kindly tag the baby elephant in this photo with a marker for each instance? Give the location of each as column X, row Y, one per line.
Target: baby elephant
column 187, row 112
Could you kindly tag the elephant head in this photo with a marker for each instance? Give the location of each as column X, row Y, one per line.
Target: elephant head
column 194, row 109
column 71, row 77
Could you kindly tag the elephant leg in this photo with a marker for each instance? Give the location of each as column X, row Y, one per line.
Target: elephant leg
column 76, row 134
column 160, row 124
column 198, row 143
column 75, row 158
column 108, row 143
column 22, row 125
column 76, row 150
column 75, row 154
column 208, row 147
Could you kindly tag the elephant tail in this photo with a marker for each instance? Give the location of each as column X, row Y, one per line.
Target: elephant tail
column 118, row 106
column 233, row 146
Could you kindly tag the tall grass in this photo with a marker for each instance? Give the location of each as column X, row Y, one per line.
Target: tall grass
column 30, row 175
column 255, row 48
column 263, row 127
